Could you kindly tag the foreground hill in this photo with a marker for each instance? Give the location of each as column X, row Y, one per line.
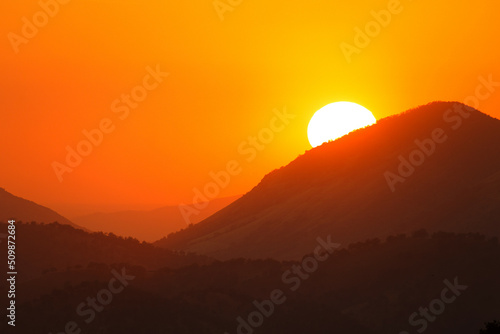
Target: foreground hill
column 149, row 225
column 45, row 248
column 369, row 287
column 363, row 185
column 20, row 209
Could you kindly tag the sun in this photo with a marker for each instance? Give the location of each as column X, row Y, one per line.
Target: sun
column 336, row 120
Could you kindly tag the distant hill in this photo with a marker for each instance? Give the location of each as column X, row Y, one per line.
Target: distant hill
column 371, row 287
column 341, row 188
column 149, row 225
column 20, row 209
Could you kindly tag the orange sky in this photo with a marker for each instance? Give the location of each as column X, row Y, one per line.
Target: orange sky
column 225, row 79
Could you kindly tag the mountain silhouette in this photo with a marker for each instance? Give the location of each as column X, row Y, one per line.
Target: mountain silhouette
column 20, row 209
column 149, row 225
column 371, row 287
column 435, row 167
column 55, row 247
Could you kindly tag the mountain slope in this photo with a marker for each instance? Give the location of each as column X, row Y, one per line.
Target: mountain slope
column 148, row 225
column 55, row 247
column 341, row 188
column 20, row 209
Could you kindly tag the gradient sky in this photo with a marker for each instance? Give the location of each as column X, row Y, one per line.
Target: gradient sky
column 226, row 78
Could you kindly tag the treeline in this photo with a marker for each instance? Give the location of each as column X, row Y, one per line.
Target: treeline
column 369, row 287
column 44, row 248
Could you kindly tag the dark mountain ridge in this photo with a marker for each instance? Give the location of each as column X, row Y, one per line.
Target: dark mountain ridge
column 20, row 209
column 342, row 188
column 368, row 287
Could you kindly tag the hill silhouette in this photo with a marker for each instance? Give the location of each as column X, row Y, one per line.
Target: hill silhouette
column 20, row 209
column 45, row 248
column 148, row 225
column 368, row 287
column 342, row 188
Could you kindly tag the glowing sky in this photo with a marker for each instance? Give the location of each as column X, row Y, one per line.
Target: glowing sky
column 225, row 79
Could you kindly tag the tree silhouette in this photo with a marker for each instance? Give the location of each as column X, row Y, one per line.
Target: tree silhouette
column 491, row 328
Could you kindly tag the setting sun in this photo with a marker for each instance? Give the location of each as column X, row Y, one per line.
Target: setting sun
column 336, row 120
column 231, row 166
